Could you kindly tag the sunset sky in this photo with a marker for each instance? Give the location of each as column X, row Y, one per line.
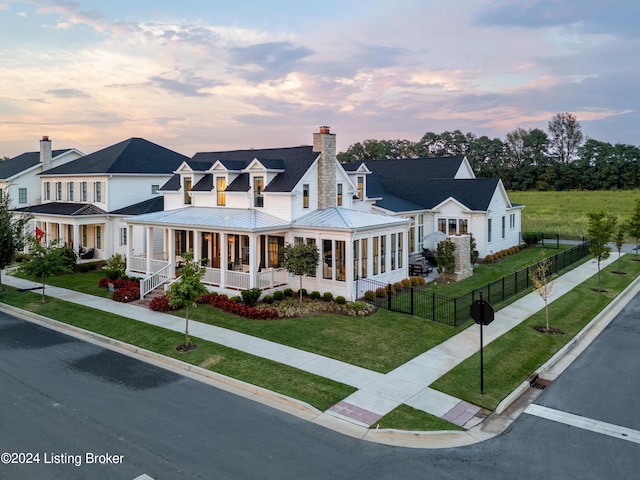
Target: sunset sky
column 212, row 75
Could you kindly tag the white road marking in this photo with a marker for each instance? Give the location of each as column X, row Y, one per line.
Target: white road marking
column 585, row 423
column 144, row 476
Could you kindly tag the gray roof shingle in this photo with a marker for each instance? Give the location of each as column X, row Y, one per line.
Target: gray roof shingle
column 63, row 208
column 23, row 162
column 132, row 156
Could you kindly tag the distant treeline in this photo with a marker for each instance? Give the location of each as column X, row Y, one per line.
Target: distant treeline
column 527, row 159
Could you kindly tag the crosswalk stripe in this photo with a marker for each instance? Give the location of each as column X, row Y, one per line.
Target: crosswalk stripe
column 585, row 423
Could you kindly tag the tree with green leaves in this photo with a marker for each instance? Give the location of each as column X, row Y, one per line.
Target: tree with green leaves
column 12, row 233
column 633, row 225
column 473, row 250
column 540, row 275
column 186, row 291
column 45, row 261
column 599, row 232
column 566, row 136
column 445, row 256
column 300, row 259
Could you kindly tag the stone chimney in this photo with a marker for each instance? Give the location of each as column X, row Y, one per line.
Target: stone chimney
column 324, row 143
column 45, row 153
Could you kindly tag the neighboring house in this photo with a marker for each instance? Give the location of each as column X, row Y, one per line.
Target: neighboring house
column 237, row 209
column 439, row 195
column 83, row 202
column 19, row 175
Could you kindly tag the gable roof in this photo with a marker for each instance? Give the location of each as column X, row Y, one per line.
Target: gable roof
column 24, row 161
column 294, row 161
column 423, row 183
column 429, row 167
column 132, row 156
column 63, row 208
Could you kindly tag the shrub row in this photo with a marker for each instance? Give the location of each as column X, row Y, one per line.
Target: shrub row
column 126, row 294
column 228, row 305
column 396, row 288
column 119, row 283
column 160, row 304
column 502, row 253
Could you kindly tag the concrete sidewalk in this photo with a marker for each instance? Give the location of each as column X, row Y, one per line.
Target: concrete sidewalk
column 377, row 393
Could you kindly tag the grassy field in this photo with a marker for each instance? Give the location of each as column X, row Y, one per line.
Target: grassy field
column 565, row 213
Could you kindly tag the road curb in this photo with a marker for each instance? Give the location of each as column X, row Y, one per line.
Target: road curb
column 219, row 380
column 599, row 323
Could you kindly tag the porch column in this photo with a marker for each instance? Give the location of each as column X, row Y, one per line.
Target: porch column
column 171, row 250
column 350, row 277
column 253, row 260
column 196, row 246
column 47, row 235
column 224, row 258
column 129, row 241
column 149, row 249
column 76, row 239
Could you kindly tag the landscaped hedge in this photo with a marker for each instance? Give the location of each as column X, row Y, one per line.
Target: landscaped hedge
column 237, row 308
column 118, row 284
column 126, row 294
column 160, row 304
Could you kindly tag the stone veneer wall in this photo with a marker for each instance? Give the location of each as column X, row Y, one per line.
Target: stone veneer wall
column 463, row 256
column 325, row 144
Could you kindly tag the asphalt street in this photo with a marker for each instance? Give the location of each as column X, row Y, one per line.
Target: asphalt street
column 86, row 407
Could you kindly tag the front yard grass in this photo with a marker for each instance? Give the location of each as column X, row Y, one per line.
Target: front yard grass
column 379, row 342
column 320, row 392
column 510, row 359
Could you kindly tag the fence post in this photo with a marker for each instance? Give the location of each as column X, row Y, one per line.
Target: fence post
column 455, row 312
column 433, row 306
column 389, row 297
column 503, row 288
column 411, row 300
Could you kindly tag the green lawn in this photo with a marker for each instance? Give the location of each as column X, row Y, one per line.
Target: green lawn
column 565, row 213
column 317, row 391
column 510, row 359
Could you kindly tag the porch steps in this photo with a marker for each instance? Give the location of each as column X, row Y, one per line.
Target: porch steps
column 158, row 292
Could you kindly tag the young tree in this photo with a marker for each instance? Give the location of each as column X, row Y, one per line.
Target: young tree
column 12, row 234
column 473, row 250
column 566, row 136
column 618, row 239
column 600, row 230
column 543, row 285
column 445, row 257
column 301, row 259
column 46, row 261
column 633, row 225
column 186, row 291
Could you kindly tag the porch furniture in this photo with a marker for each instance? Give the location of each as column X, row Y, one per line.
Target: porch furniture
column 86, row 254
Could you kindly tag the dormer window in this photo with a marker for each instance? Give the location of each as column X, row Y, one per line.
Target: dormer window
column 187, row 188
column 360, row 188
column 258, row 188
column 221, row 185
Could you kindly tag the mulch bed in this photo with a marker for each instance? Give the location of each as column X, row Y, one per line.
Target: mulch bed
column 549, row 331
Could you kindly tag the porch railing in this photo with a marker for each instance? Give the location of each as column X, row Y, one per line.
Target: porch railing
column 272, row 278
column 153, row 281
column 139, row 264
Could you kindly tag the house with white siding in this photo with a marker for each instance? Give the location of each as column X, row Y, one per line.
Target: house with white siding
column 83, row 202
column 236, row 209
column 439, row 194
column 19, row 176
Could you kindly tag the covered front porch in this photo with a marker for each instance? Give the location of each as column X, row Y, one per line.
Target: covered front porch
column 234, row 260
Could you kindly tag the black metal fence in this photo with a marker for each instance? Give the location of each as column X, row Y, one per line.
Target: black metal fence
column 455, row 311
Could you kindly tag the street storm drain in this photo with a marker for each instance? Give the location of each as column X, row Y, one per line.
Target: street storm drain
column 541, row 384
column 536, row 382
